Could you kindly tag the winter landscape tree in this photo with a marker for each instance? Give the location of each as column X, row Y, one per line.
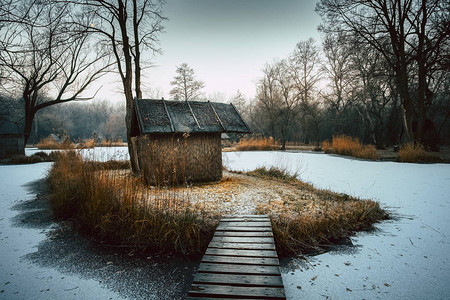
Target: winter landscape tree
column 127, row 28
column 45, row 61
column 185, row 85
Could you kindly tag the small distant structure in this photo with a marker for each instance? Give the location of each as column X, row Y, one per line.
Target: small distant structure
column 11, row 139
column 180, row 141
column 55, row 138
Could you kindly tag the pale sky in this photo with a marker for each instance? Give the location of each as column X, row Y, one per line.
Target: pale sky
column 226, row 42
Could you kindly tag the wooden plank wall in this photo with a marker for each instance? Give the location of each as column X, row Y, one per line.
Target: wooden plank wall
column 240, row 263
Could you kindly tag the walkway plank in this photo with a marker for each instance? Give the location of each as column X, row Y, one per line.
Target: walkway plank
column 242, row 228
column 246, row 224
column 238, row 252
column 237, row 292
column 240, row 263
column 244, row 246
column 244, row 234
column 266, row 261
column 239, row 280
column 238, row 269
column 238, row 239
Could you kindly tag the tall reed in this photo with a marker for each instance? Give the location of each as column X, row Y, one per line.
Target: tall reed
column 120, row 209
column 50, row 143
column 349, row 146
column 257, row 142
column 416, row 154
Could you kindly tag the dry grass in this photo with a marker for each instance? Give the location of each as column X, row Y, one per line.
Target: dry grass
column 326, row 146
column 117, row 208
column 273, row 173
column 312, row 219
column 49, row 143
column 416, row 154
column 86, row 144
column 35, row 158
column 112, row 143
column 258, row 142
column 349, row 146
column 120, row 209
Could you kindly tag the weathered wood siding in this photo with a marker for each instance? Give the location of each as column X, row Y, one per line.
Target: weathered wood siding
column 11, row 144
column 178, row 158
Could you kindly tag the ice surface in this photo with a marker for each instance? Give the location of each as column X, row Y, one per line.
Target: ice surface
column 405, row 258
column 19, row 277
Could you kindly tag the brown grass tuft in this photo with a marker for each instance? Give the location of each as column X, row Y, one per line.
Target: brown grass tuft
column 112, row 143
column 326, row 146
column 49, row 143
column 349, row 146
column 416, row 154
column 119, row 209
column 314, row 219
column 86, row 144
column 257, row 142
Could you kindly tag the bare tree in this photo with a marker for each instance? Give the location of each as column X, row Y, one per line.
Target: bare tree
column 305, row 68
column 47, row 63
column 127, row 28
column 407, row 33
column 277, row 94
column 339, row 71
column 185, row 85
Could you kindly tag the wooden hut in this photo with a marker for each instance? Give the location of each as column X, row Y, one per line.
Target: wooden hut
column 11, row 139
column 180, row 141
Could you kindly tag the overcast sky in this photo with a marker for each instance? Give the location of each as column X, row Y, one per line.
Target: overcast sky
column 226, row 42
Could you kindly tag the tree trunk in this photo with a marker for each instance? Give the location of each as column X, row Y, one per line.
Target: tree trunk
column 127, row 81
column 137, row 54
column 29, row 116
column 131, row 138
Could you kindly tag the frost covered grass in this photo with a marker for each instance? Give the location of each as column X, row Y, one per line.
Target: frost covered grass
column 416, row 154
column 120, row 209
column 313, row 219
column 252, row 143
column 349, row 146
column 273, row 173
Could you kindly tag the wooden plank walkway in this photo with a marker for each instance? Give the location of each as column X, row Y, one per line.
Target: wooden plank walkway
column 240, row 263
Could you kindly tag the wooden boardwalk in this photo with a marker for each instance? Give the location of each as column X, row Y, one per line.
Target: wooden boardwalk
column 240, row 262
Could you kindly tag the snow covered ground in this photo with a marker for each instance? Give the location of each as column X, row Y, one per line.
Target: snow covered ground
column 405, row 258
column 20, row 278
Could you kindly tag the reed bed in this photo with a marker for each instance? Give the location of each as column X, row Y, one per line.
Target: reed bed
column 313, row 218
column 416, row 154
column 117, row 208
column 349, row 146
column 112, row 143
column 258, row 142
column 86, row 144
column 50, row 143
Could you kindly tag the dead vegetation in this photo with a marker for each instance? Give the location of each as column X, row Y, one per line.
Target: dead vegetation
column 257, row 142
column 349, row 146
column 120, row 209
column 416, row 154
column 117, row 208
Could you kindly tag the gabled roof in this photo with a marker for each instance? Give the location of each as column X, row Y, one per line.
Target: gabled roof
column 169, row 116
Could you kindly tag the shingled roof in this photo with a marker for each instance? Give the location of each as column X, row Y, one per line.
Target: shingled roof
column 169, row 116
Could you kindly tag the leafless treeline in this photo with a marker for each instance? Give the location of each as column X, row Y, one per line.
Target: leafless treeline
column 381, row 73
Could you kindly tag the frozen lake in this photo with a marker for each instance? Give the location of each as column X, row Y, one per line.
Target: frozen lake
column 406, row 257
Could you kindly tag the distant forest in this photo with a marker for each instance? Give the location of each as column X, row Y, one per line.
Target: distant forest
column 381, row 72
